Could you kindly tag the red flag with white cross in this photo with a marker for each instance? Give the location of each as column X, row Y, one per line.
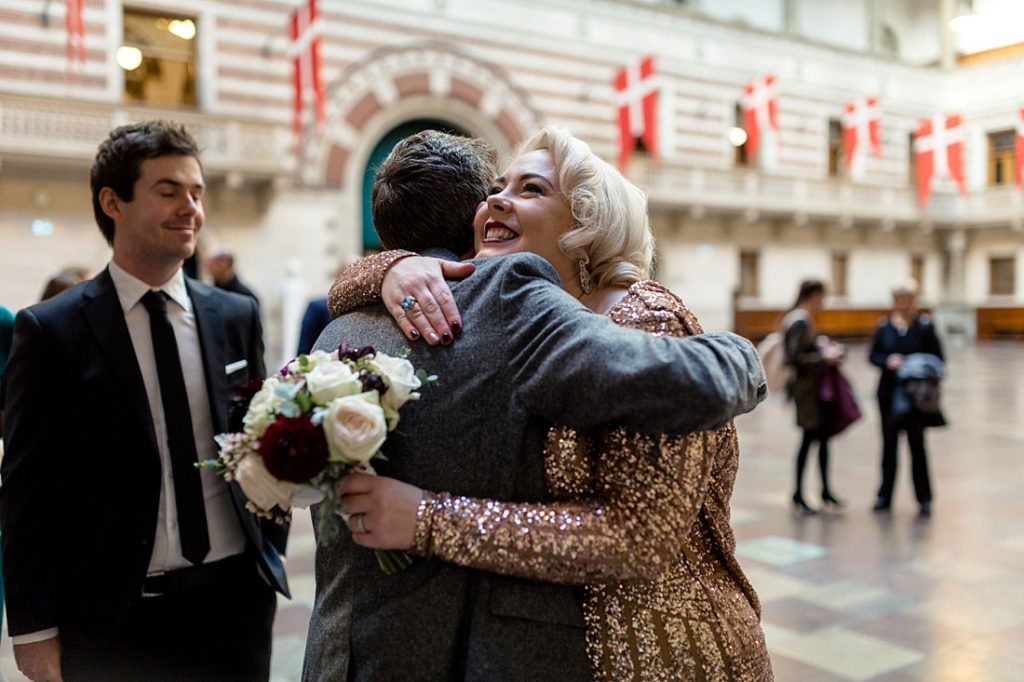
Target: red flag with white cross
column 76, row 31
column 304, row 49
column 1019, row 160
column 939, row 148
column 861, row 131
column 636, row 92
column 760, row 105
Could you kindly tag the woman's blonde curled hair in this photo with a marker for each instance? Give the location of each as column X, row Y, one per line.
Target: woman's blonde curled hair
column 613, row 232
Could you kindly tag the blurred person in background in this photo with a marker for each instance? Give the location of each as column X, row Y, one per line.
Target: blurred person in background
column 221, row 266
column 314, row 320
column 6, row 336
column 809, row 354
column 904, row 332
column 64, row 280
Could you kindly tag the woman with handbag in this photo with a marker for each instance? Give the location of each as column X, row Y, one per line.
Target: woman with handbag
column 813, row 358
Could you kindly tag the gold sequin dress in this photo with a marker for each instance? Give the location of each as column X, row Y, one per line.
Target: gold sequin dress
column 640, row 521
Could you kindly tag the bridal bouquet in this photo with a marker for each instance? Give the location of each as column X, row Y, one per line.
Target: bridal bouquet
column 296, row 434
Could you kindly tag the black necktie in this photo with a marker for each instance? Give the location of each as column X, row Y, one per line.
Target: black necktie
column 188, row 490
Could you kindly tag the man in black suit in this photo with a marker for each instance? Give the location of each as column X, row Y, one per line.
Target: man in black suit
column 121, row 559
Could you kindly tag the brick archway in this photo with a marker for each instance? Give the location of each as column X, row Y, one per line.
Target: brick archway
column 397, row 83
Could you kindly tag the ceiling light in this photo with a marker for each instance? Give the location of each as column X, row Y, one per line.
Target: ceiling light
column 129, row 58
column 183, row 28
column 737, row 136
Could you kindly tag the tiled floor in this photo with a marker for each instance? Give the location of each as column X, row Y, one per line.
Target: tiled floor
column 854, row 595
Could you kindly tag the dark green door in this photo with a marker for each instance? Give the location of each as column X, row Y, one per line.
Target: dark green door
column 383, row 148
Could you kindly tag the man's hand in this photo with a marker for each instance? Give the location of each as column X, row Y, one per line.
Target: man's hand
column 429, row 311
column 39, row 661
column 383, row 510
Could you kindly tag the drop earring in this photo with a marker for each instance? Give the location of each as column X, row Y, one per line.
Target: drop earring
column 585, row 282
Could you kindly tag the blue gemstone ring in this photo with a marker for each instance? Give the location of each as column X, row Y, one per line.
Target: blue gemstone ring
column 408, row 302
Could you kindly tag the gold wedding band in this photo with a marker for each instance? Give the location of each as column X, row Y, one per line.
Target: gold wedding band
column 359, row 522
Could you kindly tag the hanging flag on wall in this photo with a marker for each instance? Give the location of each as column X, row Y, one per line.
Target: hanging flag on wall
column 939, row 147
column 1018, row 162
column 637, row 98
column 761, row 120
column 76, row 32
column 861, row 129
column 304, row 50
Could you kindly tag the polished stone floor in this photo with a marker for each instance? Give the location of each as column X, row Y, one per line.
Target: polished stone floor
column 855, row 595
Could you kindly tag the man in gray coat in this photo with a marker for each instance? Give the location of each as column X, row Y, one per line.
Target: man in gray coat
column 531, row 356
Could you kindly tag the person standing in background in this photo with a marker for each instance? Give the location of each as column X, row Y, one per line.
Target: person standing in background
column 808, row 357
column 221, row 266
column 122, row 560
column 6, row 336
column 903, row 332
column 314, row 320
column 63, row 280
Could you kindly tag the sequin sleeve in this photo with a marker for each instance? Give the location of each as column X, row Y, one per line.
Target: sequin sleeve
column 359, row 284
column 632, row 509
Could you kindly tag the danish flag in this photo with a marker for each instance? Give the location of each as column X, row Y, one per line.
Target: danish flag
column 939, row 146
column 637, row 99
column 76, row 31
column 304, row 50
column 761, row 120
column 1019, row 161
column 861, row 129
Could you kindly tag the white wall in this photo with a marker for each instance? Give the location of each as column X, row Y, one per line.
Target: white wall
column 844, row 24
column 766, row 14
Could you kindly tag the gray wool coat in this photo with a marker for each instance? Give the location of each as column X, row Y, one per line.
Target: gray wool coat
column 530, row 356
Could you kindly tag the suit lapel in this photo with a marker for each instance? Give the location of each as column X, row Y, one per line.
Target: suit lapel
column 105, row 317
column 210, row 324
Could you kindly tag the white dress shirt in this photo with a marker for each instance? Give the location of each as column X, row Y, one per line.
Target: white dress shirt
column 226, row 535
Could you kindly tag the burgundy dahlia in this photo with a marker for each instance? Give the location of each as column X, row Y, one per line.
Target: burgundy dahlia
column 372, row 382
column 353, row 353
column 293, row 449
column 239, row 404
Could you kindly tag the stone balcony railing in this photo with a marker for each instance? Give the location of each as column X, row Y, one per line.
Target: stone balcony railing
column 65, row 132
column 732, row 190
column 61, row 132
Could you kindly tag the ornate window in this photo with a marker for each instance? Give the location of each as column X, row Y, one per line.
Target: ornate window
column 159, row 58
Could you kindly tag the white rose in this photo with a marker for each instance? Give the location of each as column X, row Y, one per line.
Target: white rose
column 312, row 360
column 355, row 427
column 400, row 376
column 330, row 380
column 262, row 489
column 260, row 414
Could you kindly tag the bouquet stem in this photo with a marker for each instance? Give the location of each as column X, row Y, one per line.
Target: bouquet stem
column 392, row 561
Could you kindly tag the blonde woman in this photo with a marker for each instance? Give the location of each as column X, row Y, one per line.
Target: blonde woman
column 641, row 521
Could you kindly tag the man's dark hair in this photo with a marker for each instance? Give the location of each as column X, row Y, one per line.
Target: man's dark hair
column 120, row 157
column 426, row 191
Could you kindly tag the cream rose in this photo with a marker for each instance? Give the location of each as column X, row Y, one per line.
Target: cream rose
column 259, row 415
column 312, row 360
column 355, row 427
column 401, row 379
column 262, row 489
column 330, row 380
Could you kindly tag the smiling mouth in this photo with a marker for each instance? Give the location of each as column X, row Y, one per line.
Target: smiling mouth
column 497, row 232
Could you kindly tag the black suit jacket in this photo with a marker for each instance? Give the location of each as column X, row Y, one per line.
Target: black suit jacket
column 81, row 473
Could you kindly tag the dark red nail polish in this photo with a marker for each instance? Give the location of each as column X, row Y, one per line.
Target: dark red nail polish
column 446, row 338
column 414, row 334
column 457, row 328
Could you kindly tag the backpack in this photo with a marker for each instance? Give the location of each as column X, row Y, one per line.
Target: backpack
column 772, row 351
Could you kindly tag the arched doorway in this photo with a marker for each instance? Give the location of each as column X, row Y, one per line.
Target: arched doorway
column 380, row 151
